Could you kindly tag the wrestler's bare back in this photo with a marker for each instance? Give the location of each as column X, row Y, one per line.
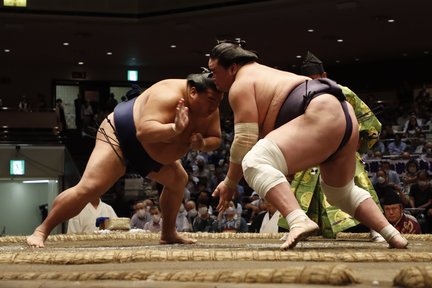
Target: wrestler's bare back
column 272, row 87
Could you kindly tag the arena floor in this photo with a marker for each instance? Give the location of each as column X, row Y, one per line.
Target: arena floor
column 217, row 260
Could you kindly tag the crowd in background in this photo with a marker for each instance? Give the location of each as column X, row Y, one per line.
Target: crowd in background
column 401, row 161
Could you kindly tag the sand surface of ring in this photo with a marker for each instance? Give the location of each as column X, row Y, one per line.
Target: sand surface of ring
column 373, row 264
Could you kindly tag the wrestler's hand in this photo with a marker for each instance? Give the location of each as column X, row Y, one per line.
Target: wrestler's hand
column 225, row 196
column 197, row 142
column 182, row 117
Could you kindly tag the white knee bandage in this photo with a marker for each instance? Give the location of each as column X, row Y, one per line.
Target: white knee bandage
column 347, row 198
column 264, row 167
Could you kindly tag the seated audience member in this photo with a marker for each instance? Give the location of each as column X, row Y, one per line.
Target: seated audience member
column 155, row 224
column 420, row 196
column 392, row 176
column 182, row 223
column 410, row 176
column 417, row 144
column 427, row 152
column 204, row 222
column 421, row 191
column 411, row 126
column 85, row 221
column 190, row 208
column 387, row 132
column 383, row 187
column 397, row 146
column 253, row 207
column 267, row 220
column 217, row 177
column 379, row 146
column 229, row 221
column 393, row 211
column 205, row 198
column 141, row 215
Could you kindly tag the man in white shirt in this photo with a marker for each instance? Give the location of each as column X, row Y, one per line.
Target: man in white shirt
column 85, row 221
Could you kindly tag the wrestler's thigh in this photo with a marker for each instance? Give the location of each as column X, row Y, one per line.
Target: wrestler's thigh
column 341, row 169
column 305, row 142
column 104, row 167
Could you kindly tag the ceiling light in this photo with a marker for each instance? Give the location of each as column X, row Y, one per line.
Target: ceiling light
column 390, row 20
column 207, row 54
column 173, row 46
column 339, row 40
column 80, row 63
column 109, row 53
column 298, row 56
column 7, row 50
column 65, row 43
column 310, row 30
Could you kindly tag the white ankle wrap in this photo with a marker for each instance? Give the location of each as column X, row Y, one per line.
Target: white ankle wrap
column 389, row 232
column 264, row 167
column 347, row 198
column 295, row 217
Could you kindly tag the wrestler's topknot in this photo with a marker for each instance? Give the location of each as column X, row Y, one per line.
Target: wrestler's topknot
column 228, row 52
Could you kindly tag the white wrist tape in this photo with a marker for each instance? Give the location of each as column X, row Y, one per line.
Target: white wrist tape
column 347, row 198
column 264, row 167
column 389, row 232
column 245, row 137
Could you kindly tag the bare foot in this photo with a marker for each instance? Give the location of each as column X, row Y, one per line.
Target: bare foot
column 299, row 231
column 398, row 242
column 37, row 239
column 176, row 238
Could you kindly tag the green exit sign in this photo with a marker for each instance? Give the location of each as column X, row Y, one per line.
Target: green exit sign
column 17, row 167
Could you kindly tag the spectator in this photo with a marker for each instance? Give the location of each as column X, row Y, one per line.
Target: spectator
column 61, row 118
column 393, row 211
column 397, row 146
column 190, row 208
column 412, row 126
column 421, row 191
column 87, row 116
column 384, row 187
column 204, row 222
column 204, row 198
column 229, row 221
column 253, row 207
column 421, row 197
column 427, row 152
column 23, row 104
column 417, row 143
column 182, row 223
column 141, row 215
column 392, row 176
column 379, row 146
column 111, row 103
column 410, row 176
column 85, row 221
column 155, row 224
column 267, row 220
